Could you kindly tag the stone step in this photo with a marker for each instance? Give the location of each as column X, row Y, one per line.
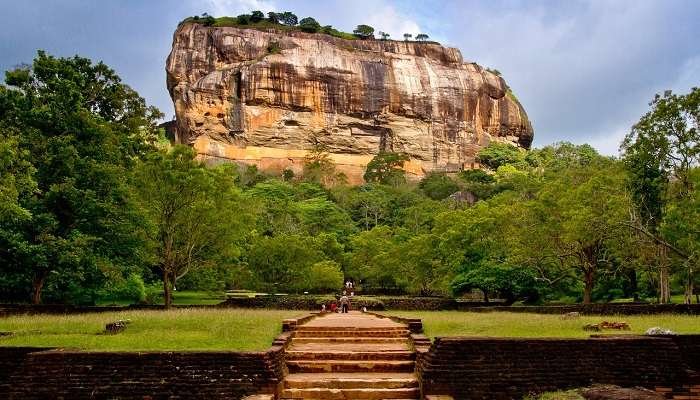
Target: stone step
column 302, row 328
column 315, row 366
column 352, row 333
column 349, row 355
column 343, row 394
column 351, row 381
column 349, row 340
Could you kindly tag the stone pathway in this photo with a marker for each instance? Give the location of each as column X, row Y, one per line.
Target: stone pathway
column 351, row 356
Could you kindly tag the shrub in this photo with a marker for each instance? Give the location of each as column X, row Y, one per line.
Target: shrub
column 309, row 25
column 324, row 277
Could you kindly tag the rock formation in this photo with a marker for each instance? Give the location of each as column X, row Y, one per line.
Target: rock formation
column 266, row 97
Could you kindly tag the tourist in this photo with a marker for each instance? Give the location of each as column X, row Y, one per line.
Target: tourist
column 334, row 307
column 345, row 304
column 323, row 308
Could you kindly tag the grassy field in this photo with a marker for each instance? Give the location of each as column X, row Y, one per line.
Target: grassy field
column 457, row 323
column 182, row 329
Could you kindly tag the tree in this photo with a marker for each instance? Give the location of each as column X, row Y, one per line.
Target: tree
column 243, row 19
column 384, row 35
column 421, row 37
column 364, row 32
column 256, row 16
column 287, row 18
column 324, row 277
column 319, row 167
column 497, row 154
column 273, row 17
column 660, row 153
column 281, row 263
column 407, row 36
column 309, row 25
column 386, row 168
column 81, row 130
column 438, row 186
column 195, row 215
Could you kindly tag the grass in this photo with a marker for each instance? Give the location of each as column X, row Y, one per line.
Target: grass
column 457, row 323
column 180, row 329
column 566, row 395
column 180, row 297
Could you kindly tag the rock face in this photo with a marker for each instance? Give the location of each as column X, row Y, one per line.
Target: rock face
column 266, row 97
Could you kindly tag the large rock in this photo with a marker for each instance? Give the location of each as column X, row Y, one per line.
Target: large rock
column 265, row 97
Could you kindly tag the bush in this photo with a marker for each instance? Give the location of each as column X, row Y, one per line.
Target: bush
column 131, row 289
column 309, row 25
column 324, row 277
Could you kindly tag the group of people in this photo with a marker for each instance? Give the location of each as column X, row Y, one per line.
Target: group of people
column 344, row 300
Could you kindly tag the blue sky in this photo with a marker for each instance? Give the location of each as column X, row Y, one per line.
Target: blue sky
column 584, row 70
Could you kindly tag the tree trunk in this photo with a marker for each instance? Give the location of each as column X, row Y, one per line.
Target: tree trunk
column 37, row 285
column 689, row 284
column 588, row 286
column 634, row 285
column 167, row 293
column 486, row 295
column 664, row 284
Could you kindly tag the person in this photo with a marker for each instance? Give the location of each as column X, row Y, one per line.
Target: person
column 323, row 308
column 344, row 304
column 334, row 307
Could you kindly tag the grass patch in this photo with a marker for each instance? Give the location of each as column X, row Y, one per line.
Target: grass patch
column 181, row 329
column 505, row 324
column 567, row 395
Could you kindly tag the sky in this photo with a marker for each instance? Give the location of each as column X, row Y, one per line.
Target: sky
column 585, row 71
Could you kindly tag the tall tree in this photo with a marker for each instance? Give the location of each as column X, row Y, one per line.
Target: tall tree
column 660, row 152
column 386, row 168
column 195, row 215
column 81, row 130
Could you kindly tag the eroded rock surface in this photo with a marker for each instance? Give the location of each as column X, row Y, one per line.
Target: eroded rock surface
column 265, row 97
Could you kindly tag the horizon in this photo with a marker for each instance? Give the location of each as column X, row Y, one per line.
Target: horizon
column 546, row 51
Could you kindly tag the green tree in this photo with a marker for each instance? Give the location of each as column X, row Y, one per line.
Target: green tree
column 195, row 214
column 72, row 130
column 386, row 168
column 421, row 37
column 281, row 263
column 438, row 186
column 287, row 18
column 660, row 152
column 364, row 32
column 384, row 35
column 324, row 277
column 407, row 36
column 273, row 17
column 256, row 16
column 309, row 25
column 497, row 154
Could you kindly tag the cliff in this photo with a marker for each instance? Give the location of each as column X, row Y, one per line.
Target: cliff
column 265, row 97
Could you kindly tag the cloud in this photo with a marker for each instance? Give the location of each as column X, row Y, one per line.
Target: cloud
column 585, row 70
column 237, row 7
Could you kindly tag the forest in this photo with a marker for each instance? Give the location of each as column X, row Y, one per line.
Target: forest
column 95, row 203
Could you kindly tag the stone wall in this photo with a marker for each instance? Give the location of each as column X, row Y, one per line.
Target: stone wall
column 132, row 375
column 504, row 368
column 379, row 303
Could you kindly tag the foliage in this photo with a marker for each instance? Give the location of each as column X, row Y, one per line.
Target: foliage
column 438, row 186
column 70, row 132
column 364, row 31
column 499, row 154
column 386, row 168
column 194, row 214
column 324, row 277
column 309, row 25
column 421, row 37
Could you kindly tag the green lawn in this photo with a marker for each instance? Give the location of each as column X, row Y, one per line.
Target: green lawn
column 457, row 323
column 180, row 329
column 180, row 297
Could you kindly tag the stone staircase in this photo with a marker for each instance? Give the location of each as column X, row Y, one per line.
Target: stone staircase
column 350, row 356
